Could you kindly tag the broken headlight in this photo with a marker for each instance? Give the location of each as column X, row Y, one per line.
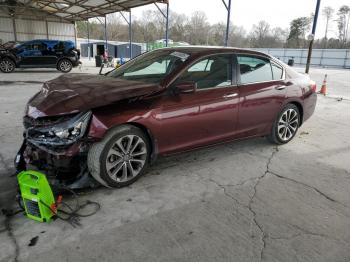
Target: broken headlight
column 60, row 134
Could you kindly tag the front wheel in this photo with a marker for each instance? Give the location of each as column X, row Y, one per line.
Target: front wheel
column 7, row 65
column 64, row 65
column 286, row 125
column 120, row 158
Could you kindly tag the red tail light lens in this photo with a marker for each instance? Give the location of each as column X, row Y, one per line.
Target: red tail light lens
column 313, row 86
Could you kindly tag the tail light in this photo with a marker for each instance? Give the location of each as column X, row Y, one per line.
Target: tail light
column 313, row 85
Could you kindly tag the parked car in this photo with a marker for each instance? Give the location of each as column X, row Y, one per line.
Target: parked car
column 162, row 102
column 39, row 54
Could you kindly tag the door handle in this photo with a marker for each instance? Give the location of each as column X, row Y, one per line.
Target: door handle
column 230, row 95
column 280, row 87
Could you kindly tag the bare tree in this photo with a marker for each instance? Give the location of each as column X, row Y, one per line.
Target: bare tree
column 197, row 27
column 328, row 14
column 196, row 30
column 259, row 35
column 343, row 23
column 237, row 36
column 116, row 28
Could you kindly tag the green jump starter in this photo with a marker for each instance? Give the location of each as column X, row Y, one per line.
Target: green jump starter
column 37, row 196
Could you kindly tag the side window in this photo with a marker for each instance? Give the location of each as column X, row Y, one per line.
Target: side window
column 203, row 66
column 39, row 46
column 215, row 71
column 59, row 46
column 254, row 69
column 27, row 47
column 277, row 71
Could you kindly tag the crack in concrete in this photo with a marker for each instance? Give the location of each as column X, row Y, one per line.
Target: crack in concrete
column 311, row 187
column 261, row 228
column 12, row 237
column 264, row 236
column 305, row 232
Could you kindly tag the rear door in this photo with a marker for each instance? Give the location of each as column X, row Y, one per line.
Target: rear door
column 262, row 91
column 206, row 116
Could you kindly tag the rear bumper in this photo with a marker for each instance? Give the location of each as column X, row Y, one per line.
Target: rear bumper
column 310, row 102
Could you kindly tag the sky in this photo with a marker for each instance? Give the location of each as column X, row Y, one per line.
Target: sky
column 246, row 13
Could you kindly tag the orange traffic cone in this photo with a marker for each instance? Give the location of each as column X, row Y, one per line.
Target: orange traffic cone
column 324, row 86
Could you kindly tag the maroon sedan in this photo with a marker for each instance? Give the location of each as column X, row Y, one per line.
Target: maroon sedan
column 162, row 102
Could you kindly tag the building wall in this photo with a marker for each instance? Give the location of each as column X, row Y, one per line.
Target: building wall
column 320, row 57
column 123, row 50
column 28, row 28
column 114, row 49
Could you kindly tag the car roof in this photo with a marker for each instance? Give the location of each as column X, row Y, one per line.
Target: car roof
column 215, row 49
column 48, row 41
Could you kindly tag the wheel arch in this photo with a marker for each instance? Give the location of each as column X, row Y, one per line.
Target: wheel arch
column 300, row 108
column 150, row 136
column 11, row 58
column 59, row 59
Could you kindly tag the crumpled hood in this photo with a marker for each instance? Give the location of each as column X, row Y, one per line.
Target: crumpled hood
column 71, row 93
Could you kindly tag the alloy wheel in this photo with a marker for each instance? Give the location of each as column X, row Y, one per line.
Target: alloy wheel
column 6, row 66
column 65, row 66
column 288, row 124
column 126, row 158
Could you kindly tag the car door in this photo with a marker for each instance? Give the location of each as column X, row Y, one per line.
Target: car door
column 262, row 90
column 32, row 56
column 48, row 56
column 25, row 53
column 206, row 116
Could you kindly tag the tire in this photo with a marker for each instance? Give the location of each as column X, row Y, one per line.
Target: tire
column 286, row 125
column 7, row 65
column 64, row 65
column 107, row 161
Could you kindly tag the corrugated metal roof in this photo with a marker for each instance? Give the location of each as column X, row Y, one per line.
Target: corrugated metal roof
column 75, row 10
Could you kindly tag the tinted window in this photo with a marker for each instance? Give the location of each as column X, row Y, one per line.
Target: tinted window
column 39, row 46
column 59, row 46
column 215, row 71
column 277, row 71
column 27, row 47
column 254, row 69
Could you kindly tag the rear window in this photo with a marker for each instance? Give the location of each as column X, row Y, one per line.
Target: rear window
column 254, row 69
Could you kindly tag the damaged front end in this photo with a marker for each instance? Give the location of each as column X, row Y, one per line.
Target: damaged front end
column 57, row 146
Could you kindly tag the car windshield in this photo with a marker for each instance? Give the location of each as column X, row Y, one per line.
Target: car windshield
column 151, row 67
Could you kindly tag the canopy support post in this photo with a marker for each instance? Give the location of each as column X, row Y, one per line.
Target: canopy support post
column 228, row 8
column 166, row 16
column 312, row 37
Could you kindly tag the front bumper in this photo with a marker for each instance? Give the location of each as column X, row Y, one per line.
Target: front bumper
column 64, row 167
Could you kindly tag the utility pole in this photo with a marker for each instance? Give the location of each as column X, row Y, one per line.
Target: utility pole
column 106, row 41
column 228, row 8
column 312, row 37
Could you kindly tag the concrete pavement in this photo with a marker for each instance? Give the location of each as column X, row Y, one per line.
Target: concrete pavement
column 241, row 201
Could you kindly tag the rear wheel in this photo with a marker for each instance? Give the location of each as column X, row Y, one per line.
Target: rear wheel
column 286, row 125
column 65, row 65
column 7, row 65
column 120, row 158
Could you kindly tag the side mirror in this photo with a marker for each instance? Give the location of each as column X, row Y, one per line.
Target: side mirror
column 186, row 87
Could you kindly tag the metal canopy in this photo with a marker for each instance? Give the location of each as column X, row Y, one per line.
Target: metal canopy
column 74, row 10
